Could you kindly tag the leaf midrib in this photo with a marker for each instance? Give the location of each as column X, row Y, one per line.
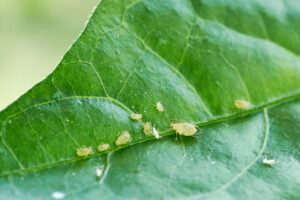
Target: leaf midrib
column 218, row 189
column 166, row 132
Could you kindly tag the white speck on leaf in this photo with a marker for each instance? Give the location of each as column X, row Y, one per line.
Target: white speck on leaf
column 98, row 172
column 268, row 162
column 155, row 133
column 124, row 138
column 186, row 129
column 58, row 195
column 241, row 104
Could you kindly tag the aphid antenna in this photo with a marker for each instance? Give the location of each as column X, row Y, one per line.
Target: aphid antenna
column 176, row 137
column 196, row 136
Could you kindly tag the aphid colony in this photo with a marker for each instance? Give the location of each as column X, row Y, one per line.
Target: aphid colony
column 124, row 138
column 183, row 128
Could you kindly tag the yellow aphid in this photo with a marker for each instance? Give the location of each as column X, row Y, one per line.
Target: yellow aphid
column 84, row 151
column 147, row 128
column 159, row 107
column 136, row 116
column 103, row 147
column 241, row 104
column 124, row 138
column 184, row 128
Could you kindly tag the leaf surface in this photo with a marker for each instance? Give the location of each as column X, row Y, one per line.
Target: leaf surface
column 223, row 161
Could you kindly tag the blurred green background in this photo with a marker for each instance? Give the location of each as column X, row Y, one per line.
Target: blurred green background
column 34, row 35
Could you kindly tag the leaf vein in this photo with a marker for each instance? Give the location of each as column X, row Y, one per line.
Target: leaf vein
column 174, row 69
column 238, row 74
column 187, row 39
column 12, row 154
column 167, row 132
column 245, row 170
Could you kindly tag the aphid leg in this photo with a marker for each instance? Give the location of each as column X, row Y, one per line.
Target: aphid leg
column 198, row 133
column 176, row 138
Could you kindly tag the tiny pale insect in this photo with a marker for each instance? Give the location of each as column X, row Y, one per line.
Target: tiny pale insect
column 268, row 162
column 147, row 128
column 103, row 147
column 124, row 138
column 186, row 129
column 135, row 116
column 98, row 172
column 159, row 107
column 84, row 151
column 58, row 195
column 241, row 104
column 155, row 133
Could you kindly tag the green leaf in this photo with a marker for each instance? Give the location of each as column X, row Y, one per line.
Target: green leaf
column 197, row 58
column 223, row 161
